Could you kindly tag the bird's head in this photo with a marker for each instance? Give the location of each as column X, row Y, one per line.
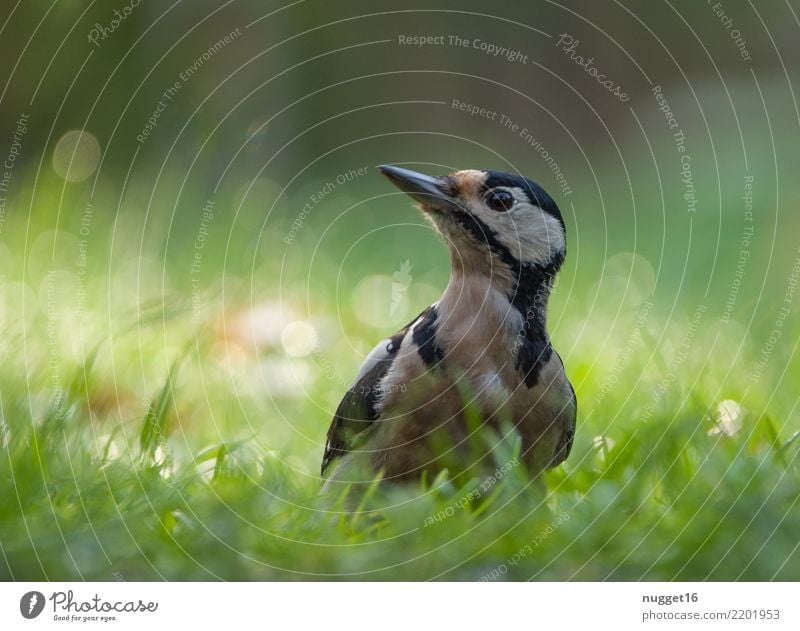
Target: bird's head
column 495, row 223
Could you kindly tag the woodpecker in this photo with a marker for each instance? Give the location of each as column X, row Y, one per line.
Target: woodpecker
column 483, row 346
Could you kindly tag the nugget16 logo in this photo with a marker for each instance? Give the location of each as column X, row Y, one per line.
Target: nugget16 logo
column 31, row 604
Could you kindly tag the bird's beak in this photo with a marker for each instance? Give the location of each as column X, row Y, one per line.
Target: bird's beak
column 423, row 188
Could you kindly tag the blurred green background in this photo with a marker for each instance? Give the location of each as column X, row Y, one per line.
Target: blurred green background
column 197, row 251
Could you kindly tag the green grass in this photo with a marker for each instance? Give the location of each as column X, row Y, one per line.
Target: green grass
column 100, row 491
column 665, row 502
column 139, row 445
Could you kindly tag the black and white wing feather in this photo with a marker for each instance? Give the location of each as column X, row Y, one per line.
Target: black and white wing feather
column 360, row 406
column 564, row 446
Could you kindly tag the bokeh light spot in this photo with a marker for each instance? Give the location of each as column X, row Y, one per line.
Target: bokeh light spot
column 299, row 338
column 76, row 155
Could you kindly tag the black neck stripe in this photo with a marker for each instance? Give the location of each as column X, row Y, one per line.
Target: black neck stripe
column 528, row 295
column 424, row 337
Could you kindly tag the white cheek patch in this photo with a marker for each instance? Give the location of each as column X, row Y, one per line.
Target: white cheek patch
column 540, row 237
column 529, row 233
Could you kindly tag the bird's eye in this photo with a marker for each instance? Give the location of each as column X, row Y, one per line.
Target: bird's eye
column 500, row 200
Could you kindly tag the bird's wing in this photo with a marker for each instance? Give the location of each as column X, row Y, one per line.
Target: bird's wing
column 359, row 407
column 565, row 444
